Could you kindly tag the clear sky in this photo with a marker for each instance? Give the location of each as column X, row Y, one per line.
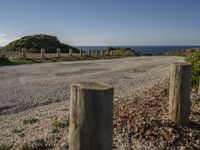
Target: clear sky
column 103, row 22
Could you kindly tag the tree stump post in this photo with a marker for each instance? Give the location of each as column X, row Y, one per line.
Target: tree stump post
column 111, row 52
column 97, row 53
column 102, row 54
column 58, row 52
column 23, row 53
column 42, row 52
column 81, row 53
column 70, row 52
column 89, row 52
column 91, row 116
column 179, row 96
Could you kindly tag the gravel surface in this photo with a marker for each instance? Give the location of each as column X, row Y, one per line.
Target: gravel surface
column 26, row 86
column 39, row 94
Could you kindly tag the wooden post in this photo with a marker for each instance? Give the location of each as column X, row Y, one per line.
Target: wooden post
column 81, row 52
column 97, row 53
column 102, row 54
column 199, row 87
column 89, row 52
column 42, row 52
column 70, row 52
column 91, row 116
column 179, row 97
column 23, row 53
column 111, row 52
column 58, row 52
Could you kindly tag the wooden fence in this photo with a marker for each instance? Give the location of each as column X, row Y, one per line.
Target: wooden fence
column 24, row 54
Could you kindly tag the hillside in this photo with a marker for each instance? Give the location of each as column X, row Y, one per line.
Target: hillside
column 34, row 43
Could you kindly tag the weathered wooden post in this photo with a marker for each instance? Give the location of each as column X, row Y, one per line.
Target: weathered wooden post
column 81, row 52
column 89, row 52
column 23, row 53
column 108, row 52
column 42, row 52
column 179, row 96
column 58, row 52
column 102, row 54
column 70, row 52
column 111, row 52
column 91, row 116
column 96, row 53
column 199, row 87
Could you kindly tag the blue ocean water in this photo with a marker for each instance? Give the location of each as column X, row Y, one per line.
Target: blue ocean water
column 143, row 49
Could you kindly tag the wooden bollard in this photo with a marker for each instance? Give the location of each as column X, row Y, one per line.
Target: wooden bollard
column 91, row 116
column 96, row 53
column 199, row 87
column 58, row 52
column 23, row 53
column 179, row 96
column 89, row 52
column 111, row 52
column 42, row 52
column 102, row 53
column 70, row 52
column 81, row 53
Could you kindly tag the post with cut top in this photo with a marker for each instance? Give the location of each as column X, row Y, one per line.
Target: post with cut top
column 111, row 52
column 91, row 116
column 58, row 52
column 23, row 53
column 81, row 52
column 89, row 52
column 102, row 54
column 70, row 51
column 97, row 53
column 179, row 96
column 42, row 52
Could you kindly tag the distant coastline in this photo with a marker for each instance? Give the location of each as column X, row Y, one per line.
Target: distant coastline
column 143, row 49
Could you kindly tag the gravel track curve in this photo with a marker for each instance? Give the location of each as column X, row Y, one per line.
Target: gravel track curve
column 26, row 86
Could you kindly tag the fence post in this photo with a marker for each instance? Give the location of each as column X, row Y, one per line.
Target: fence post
column 102, row 54
column 58, row 52
column 23, row 53
column 70, row 52
column 91, row 116
column 199, row 87
column 89, row 52
column 179, row 96
column 42, row 52
column 97, row 53
column 111, row 52
column 81, row 52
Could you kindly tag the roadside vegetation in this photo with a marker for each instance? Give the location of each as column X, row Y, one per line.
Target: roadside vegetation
column 191, row 56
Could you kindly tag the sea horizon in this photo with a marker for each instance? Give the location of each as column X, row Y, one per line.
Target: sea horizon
column 153, row 49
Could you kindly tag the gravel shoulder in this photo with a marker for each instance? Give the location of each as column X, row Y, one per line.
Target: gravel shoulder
column 41, row 92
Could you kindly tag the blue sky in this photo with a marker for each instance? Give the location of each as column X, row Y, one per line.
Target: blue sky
column 103, row 22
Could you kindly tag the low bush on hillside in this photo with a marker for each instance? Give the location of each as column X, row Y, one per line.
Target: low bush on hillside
column 194, row 59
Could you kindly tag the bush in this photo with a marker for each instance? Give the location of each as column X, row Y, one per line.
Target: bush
column 194, row 59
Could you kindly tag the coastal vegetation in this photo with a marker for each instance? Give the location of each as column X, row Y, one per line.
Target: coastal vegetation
column 194, row 59
column 34, row 43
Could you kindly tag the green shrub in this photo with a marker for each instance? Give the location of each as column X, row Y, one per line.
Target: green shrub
column 194, row 59
column 5, row 147
column 30, row 120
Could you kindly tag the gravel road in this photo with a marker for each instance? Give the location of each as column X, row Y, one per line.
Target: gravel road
column 25, row 86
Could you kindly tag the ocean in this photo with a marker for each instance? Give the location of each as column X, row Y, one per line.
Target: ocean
column 143, row 49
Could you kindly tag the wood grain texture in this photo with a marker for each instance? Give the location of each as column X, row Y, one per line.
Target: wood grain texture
column 91, row 116
column 179, row 97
